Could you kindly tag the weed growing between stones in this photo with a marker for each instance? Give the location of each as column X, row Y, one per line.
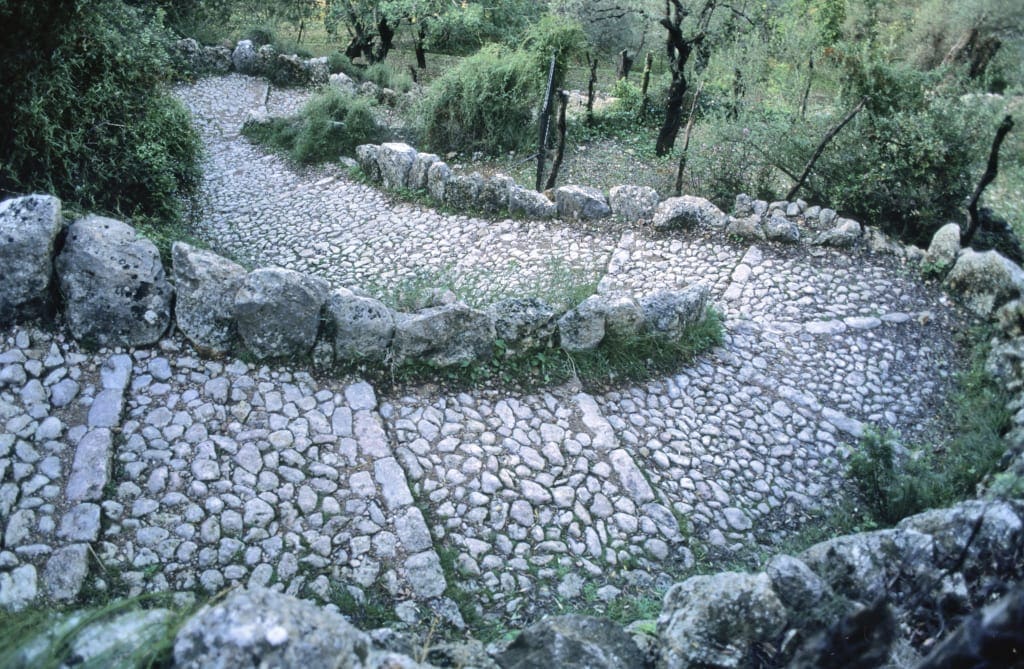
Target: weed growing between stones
column 130, row 632
column 895, row 481
column 616, row 361
column 371, row 609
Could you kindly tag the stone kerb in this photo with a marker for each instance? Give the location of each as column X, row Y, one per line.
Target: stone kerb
column 116, row 294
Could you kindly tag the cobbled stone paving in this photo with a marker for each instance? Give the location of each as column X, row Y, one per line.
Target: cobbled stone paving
column 150, row 470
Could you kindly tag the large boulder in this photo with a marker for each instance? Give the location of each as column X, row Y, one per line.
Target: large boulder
column 266, row 59
column 438, row 176
column 958, row 544
column 797, row 586
column 778, row 228
column 572, row 642
column 843, row 234
column 583, row 328
column 395, row 160
column 206, row 286
column 747, row 228
column 667, row 314
column 278, row 312
column 623, row 316
column 362, row 326
column 444, row 336
column 244, row 57
column 633, row 203
column 368, row 157
column 28, row 228
column 113, row 284
column 686, row 212
column 861, row 566
column 288, row 70
column 494, row 193
column 420, row 169
column 462, row 191
column 215, row 60
column 342, row 82
column 186, row 55
column 530, row 204
column 318, row 71
column 257, row 627
column 522, row 323
column 943, row 250
column 712, row 621
column 985, row 280
column 581, row 203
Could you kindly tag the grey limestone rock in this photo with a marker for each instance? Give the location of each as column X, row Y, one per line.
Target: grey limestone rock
column 623, row 316
column 425, row 574
column 669, row 313
column 215, row 60
column 259, row 627
column 633, row 203
column 362, row 326
column 999, row 532
column 797, row 586
column 494, row 193
column 583, row 328
column 438, row 176
column 744, row 206
column 369, row 89
column 686, row 212
column 206, row 286
column 843, row 234
column 780, row 229
column 826, row 217
column 18, row 587
column 288, row 70
column 342, row 82
column 266, row 57
column 444, row 336
column 318, row 71
column 943, row 249
column 572, row 642
column 113, row 284
column 28, row 228
column 581, row 203
column 860, row 566
column 985, row 280
column 530, row 204
column 711, row 621
column 522, row 323
column 278, row 311
column 368, row 155
column 65, row 572
column 418, row 175
column 395, row 160
column 746, row 228
column 462, row 191
column 244, row 57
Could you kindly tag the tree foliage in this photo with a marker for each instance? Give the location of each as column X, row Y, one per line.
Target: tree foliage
column 84, row 111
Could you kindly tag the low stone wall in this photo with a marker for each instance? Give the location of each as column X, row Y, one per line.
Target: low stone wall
column 115, row 292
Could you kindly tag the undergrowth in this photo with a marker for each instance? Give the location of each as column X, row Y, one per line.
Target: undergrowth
column 47, row 639
column 895, row 481
column 330, row 125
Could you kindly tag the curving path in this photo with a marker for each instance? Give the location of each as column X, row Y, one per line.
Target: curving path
column 226, row 472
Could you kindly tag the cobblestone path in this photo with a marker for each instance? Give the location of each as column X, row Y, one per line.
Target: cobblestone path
column 157, row 469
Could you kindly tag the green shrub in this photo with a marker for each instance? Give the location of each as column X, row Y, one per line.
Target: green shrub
column 331, row 124
column 894, row 485
column 554, row 35
column 84, row 110
column 385, row 76
column 339, row 62
column 486, row 102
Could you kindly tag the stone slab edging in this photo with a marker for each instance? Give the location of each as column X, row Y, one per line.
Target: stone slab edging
column 116, row 293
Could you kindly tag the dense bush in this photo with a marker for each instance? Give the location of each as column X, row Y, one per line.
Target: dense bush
column 330, row 125
column 486, row 102
column 84, row 112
